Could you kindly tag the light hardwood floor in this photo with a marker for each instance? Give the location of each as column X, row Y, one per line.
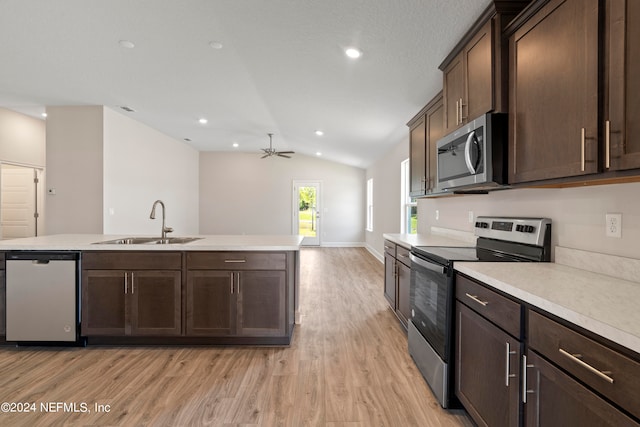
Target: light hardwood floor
column 347, row 366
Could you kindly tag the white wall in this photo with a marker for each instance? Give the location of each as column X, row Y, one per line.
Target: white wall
column 240, row 193
column 74, row 169
column 142, row 165
column 387, row 210
column 22, row 139
column 578, row 214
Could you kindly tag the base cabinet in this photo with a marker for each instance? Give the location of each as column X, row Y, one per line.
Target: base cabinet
column 397, row 279
column 553, row 398
column 236, row 303
column 487, row 370
column 139, row 302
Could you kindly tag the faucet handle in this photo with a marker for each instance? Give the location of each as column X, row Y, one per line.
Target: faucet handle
column 168, row 229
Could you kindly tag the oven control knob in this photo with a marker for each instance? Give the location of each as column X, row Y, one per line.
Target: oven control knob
column 530, row 229
column 480, row 224
column 519, row 227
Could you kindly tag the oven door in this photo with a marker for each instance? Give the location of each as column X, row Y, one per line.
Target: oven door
column 431, row 299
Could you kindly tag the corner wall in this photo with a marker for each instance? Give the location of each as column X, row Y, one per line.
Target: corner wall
column 22, row 139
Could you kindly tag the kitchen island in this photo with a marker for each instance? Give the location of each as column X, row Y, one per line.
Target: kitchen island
column 213, row 290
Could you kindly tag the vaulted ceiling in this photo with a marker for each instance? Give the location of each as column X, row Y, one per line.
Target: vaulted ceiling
column 250, row 67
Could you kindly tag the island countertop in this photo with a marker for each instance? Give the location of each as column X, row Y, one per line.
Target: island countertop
column 91, row 242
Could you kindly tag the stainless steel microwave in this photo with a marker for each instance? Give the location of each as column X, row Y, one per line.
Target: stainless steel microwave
column 473, row 158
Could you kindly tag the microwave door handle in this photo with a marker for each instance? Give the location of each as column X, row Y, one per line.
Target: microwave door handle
column 471, row 139
column 426, row 264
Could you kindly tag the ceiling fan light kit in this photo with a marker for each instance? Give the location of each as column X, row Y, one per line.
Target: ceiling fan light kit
column 268, row 152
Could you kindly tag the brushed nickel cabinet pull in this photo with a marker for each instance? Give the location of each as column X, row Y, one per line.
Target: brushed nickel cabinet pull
column 476, row 299
column 236, row 261
column 231, row 283
column 126, row 284
column 133, row 284
column 607, row 140
column 525, row 391
column 582, row 141
column 508, row 373
column 597, row 372
column 462, row 117
column 457, row 113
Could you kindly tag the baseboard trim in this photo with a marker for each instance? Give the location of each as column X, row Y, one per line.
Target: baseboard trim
column 375, row 253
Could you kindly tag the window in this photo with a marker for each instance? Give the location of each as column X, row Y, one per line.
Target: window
column 408, row 206
column 370, row 204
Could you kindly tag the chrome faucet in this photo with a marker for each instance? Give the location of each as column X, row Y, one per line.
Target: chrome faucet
column 165, row 229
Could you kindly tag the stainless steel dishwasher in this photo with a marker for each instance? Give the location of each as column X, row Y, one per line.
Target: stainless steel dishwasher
column 42, row 297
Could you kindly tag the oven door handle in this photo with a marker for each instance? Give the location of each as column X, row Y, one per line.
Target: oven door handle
column 428, row 265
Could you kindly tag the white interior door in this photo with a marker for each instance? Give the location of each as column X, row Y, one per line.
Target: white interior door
column 306, row 211
column 18, row 205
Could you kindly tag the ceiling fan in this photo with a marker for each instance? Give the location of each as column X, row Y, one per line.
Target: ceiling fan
column 268, row 152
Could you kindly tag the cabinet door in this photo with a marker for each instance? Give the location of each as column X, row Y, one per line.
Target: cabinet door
column 156, row 303
column 211, row 303
column 555, row 399
column 554, row 93
column 487, row 362
column 435, row 131
column 3, row 304
column 418, row 159
column 104, row 308
column 453, row 93
column 479, row 74
column 262, row 297
column 404, row 306
column 622, row 133
column 390, row 280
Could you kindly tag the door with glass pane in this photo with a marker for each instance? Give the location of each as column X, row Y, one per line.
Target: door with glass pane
column 306, row 208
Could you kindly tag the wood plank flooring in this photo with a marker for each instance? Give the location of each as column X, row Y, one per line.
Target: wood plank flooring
column 347, row 366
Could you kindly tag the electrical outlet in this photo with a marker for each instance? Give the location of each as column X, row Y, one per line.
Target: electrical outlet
column 613, row 225
column 437, row 214
column 471, row 217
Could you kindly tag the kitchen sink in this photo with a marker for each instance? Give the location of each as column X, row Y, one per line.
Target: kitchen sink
column 148, row 241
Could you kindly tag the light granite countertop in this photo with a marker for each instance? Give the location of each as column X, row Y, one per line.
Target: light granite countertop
column 87, row 242
column 602, row 304
column 438, row 237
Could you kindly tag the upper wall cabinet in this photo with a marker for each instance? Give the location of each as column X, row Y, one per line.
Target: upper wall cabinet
column 553, row 114
column 559, row 125
column 474, row 73
column 424, row 131
column 622, row 86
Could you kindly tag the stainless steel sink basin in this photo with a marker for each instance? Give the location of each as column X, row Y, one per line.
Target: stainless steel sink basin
column 149, row 241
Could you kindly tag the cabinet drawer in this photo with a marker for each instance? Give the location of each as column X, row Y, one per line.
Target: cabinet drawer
column 402, row 255
column 500, row 310
column 610, row 373
column 133, row 260
column 390, row 248
column 236, row 260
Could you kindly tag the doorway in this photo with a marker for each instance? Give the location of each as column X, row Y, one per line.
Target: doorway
column 18, row 201
column 306, row 211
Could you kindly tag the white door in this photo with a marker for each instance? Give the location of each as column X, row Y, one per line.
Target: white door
column 18, row 201
column 306, row 211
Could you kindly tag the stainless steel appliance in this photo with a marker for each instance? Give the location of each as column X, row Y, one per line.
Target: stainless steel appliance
column 474, row 156
column 41, row 297
column 432, row 290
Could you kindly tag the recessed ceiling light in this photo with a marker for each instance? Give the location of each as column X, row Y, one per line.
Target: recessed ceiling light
column 127, row 44
column 318, row 154
column 44, row 115
column 215, row 44
column 319, row 132
column 353, row 52
column 236, row 145
column 203, row 121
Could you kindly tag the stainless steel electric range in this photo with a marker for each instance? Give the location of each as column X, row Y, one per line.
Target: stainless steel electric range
column 432, row 289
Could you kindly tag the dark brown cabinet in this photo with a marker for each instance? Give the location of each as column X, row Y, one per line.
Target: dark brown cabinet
column 487, row 357
column 553, row 398
column 143, row 301
column 397, row 278
column 553, row 114
column 425, row 129
column 250, row 300
column 468, row 80
column 622, row 103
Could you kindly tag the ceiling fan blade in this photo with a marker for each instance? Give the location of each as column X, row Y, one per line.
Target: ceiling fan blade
column 266, row 155
column 284, row 155
column 286, row 152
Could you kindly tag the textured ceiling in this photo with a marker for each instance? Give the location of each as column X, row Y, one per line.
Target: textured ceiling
column 281, row 70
